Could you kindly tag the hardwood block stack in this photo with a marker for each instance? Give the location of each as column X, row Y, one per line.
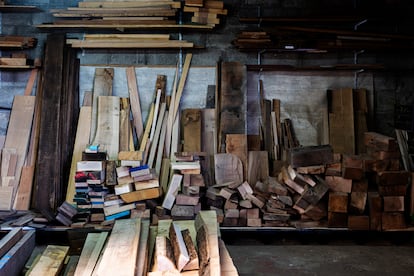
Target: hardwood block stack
column 205, row 12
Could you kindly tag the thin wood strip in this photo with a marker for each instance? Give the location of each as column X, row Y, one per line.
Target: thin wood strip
column 124, row 44
column 128, row 4
column 90, row 253
column 135, row 102
column 181, row 84
column 30, row 82
column 156, row 138
column 160, row 151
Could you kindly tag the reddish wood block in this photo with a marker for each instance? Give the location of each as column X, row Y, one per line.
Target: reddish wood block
column 358, row 222
column 393, row 204
column 338, row 220
column 338, row 202
column 393, row 220
column 339, row 184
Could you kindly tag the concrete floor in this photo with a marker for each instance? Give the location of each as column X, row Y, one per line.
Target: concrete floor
column 323, row 259
column 258, row 253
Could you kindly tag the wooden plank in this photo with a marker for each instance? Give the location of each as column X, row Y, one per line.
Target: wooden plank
column 172, row 191
column 143, row 249
column 232, row 108
column 13, row 263
column 341, row 121
column 191, row 129
column 141, row 195
column 107, row 132
column 310, row 156
column 9, row 240
column 51, row 261
column 124, row 125
column 30, row 82
column 102, row 86
column 161, row 144
column 181, row 84
column 91, row 251
column 135, row 101
column 237, row 144
column 81, row 142
column 258, row 169
column 127, row 4
column 207, row 242
column 181, row 255
column 121, row 251
column 227, row 266
column 157, row 136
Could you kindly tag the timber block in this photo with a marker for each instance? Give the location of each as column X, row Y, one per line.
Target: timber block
column 375, row 210
column 393, row 220
column 379, row 141
column 388, row 178
column 310, row 156
column 339, row 184
column 338, row 202
column 337, row 220
column 358, row 223
column 393, row 203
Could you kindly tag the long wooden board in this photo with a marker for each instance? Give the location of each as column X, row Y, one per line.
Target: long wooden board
column 120, row 254
column 143, row 249
column 13, row 263
column 135, row 102
column 51, row 261
column 102, row 86
column 237, row 144
column 191, row 129
column 10, row 240
column 107, row 133
column 90, row 253
column 81, row 141
column 18, row 137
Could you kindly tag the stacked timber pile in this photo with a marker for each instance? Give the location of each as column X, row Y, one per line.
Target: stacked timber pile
column 19, row 42
column 137, row 14
column 128, row 41
column 188, row 247
column 205, row 11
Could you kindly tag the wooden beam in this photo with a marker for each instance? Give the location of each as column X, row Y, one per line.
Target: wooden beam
column 121, row 251
column 91, row 251
column 135, row 101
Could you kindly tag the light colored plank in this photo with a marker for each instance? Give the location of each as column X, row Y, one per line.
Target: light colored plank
column 191, row 123
column 258, row 169
column 228, row 169
column 135, row 102
column 81, row 141
column 51, row 261
column 237, row 144
column 120, row 254
column 107, row 133
column 102, row 86
column 90, row 253
column 181, row 84
column 30, row 82
column 172, row 191
column 143, row 259
column 156, row 137
column 161, row 144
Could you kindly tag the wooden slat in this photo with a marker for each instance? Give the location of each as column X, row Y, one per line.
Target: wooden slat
column 128, row 4
column 14, row 261
column 107, row 133
column 81, row 141
column 161, row 144
column 8, row 241
column 85, row 44
column 90, row 253
column 51, row 261
column 258, row 167
column 191, row 129
column 30, row 82
column 135, row 102
column 181, row 84
column 124, row 131
column 143, row 249
column 102, row 86
column 121, row 251
column 18, row 136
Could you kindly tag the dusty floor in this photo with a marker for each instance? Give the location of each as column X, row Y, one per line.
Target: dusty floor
column 350, row 256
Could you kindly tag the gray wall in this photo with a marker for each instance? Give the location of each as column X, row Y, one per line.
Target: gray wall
column 391, row 86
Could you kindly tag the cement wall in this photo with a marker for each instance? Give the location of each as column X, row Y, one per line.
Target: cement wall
column 391, row 86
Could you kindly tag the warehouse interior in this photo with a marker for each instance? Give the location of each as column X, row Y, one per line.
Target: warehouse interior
column 204, row 137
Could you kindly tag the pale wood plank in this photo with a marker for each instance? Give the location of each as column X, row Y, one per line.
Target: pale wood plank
column 107, row 133
column 120, row 254
column 51, row 261
column 161, row 144
column 90, row 253
column 142, row 262
column 81, row 141
column 181, row 83
column 102, row 86
column 30, row 82
column 156, row 137
column 237, row 144
column 135, row 103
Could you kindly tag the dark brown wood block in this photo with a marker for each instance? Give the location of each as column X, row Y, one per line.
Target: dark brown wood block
column 397, row 190
column 337, row 220
column 393, row 220
column 339, row 184
column 393, row 203
column 388, row 178
column 338, row 202
column 375, row 210
column 379, row 141
column 357, row 202
column 310, row 156
column 358, row 223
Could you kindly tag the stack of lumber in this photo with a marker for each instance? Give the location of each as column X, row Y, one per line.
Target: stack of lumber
column 252, row 40
column 128, row 41
column 15, row 249
column 205, row 11
column 136, row 14
column 20, row 42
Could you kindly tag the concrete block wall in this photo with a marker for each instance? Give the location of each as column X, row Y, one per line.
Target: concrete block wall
column 391, row 86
